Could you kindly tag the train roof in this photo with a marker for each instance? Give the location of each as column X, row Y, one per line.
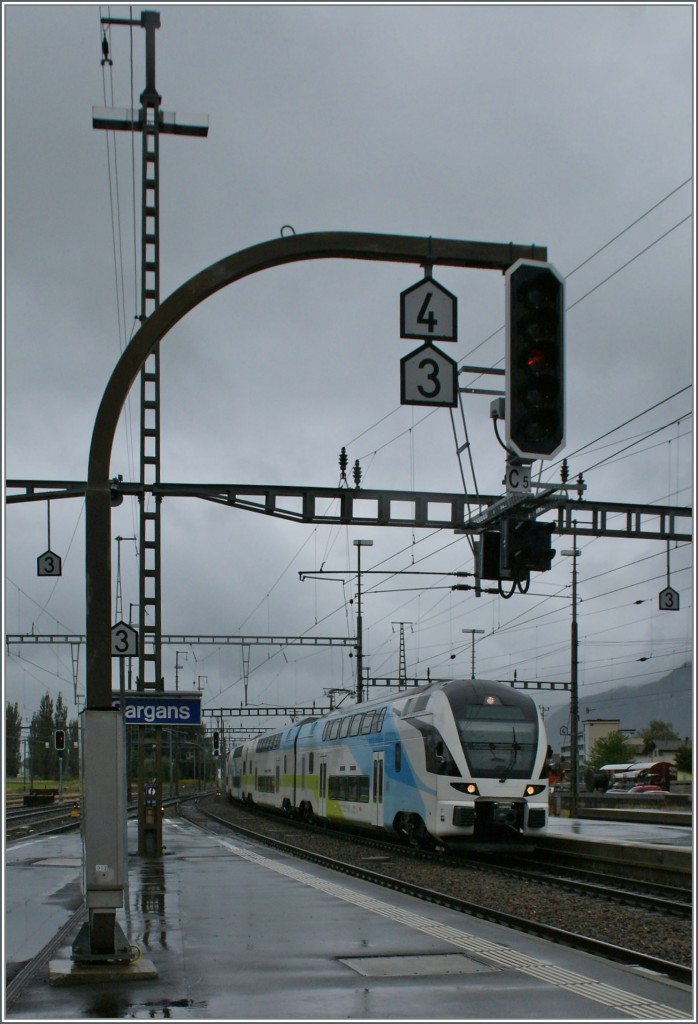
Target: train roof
column 476, row 685
column 479, row 686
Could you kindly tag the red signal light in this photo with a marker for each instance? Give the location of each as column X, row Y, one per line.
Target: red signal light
column 535, row 359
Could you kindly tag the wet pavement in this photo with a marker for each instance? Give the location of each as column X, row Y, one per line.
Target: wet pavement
column 240, row 932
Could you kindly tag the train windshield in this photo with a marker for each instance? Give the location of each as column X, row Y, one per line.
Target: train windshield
column 499, row 740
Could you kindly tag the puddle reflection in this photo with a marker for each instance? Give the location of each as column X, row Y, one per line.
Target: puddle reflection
column 150, row 915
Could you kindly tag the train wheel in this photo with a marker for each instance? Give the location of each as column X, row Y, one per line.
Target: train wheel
column 417, row 833
column 413, row 831
column 401, row 827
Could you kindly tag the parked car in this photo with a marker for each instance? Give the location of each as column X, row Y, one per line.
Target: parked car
column 647, row 789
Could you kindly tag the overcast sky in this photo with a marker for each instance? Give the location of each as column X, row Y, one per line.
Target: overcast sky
column 560, row 125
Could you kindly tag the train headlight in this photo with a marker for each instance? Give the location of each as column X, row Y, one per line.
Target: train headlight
column 466, row 787
column 533, row 790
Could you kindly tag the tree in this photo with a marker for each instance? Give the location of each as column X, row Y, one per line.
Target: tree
column 684, row 759
column 13, row 741
column 611, row 749
column 656, row 730
column 60, row 715
column 41, row 753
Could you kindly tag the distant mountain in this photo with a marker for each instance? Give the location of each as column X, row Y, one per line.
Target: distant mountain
column 669, row 699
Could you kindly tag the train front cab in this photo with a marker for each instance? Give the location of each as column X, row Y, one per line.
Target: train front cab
column 484, row 754
column 503, row 740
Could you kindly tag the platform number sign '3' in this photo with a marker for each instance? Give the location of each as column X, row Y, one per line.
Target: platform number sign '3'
column 428, row 377
column 48, row 564
column 669, row 600
column 124, row 641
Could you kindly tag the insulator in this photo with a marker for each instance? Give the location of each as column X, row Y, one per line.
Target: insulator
column 357, row 473
column 343, row 461
column 564, row 471
column 105, row 50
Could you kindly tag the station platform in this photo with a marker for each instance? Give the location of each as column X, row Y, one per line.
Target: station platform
column 239, row 932
column 656, row 832
column 652, row 846
column 650, row 833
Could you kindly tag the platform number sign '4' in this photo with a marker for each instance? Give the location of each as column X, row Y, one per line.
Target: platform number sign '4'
column 428, row 311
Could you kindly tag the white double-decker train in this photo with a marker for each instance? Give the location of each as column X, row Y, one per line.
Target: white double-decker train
column 458, row 762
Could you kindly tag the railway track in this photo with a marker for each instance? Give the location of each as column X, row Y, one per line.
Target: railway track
column 670, row 899
column 25, row 821
column 562, row 873
column 389, row 867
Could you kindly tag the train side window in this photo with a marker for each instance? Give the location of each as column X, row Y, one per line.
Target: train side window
column 344, row 731
column 326, row 730
column 367, row 723
column 334, row 728
column 311, row 763
column 285, row 756
column 398, row 756
column 355, row 725
column 378, row 726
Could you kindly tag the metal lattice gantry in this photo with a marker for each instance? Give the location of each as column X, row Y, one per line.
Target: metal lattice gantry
column 413, row 509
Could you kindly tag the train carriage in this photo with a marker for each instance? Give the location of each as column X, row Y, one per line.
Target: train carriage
column 454, row 763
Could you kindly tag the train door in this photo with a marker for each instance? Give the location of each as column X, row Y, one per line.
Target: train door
column 377, row 792
column 322, row 794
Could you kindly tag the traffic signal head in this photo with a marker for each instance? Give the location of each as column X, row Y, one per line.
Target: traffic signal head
column 527, row 546
column 59, row 739
column 535, row 360
column 215, row 743
column 489, row 562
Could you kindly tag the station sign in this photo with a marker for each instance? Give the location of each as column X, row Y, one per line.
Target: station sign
column 159, row 708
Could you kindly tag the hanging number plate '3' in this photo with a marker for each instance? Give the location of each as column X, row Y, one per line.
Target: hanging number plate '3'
column 48, row 564
column 668, row 600
column 428, row 377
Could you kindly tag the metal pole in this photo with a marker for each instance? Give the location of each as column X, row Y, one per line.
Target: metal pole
column 358, row 544
column 473, row 632
column 574, row 689
column 359, row 640
column 574, row 700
